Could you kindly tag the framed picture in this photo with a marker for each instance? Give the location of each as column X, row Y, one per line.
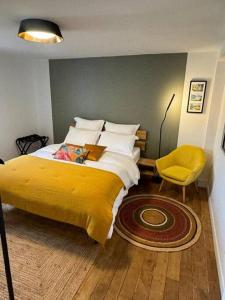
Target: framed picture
column 196, row 96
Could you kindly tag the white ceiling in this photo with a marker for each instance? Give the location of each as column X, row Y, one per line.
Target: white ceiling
column 116, row 27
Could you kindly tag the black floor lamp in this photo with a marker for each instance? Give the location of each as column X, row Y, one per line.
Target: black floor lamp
column 156, row 177
column 5, row 251
column 160, row 132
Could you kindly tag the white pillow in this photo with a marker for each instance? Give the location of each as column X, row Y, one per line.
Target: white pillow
column 81, row 137
column 119, row 143
column 121, row 128
column 96, row 125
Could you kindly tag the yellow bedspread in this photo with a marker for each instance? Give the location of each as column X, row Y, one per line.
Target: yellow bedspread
column 77, row 195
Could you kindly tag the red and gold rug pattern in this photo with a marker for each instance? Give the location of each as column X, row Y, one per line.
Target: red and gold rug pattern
column 157, row 223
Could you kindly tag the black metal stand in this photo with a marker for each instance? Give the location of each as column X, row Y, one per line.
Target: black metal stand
column 6, row 255
column 25, row 142
column 5, row 251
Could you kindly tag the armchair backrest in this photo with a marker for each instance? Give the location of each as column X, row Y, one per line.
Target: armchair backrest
column 190, row 157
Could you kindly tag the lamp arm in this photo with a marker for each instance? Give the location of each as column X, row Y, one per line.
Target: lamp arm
column 160, row 132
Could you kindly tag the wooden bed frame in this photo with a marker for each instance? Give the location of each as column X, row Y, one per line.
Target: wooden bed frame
column 141, row 143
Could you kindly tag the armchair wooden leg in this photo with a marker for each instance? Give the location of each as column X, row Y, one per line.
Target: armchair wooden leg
column 161, row 185
column 184, row 193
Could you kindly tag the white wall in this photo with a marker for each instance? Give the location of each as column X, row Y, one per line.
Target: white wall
column 43, row 97
column 193, row 127
column 217, row 184
column 24, row 93
column 205, row 130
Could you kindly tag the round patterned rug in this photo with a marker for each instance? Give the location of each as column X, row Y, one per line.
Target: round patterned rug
column 157, row 223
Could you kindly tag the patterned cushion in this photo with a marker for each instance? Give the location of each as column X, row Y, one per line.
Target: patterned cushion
column 71, row 153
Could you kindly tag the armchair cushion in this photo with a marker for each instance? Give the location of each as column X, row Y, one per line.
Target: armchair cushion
column 177, row 173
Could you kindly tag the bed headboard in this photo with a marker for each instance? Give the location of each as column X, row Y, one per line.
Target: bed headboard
column 141, row 143
column 141, row 134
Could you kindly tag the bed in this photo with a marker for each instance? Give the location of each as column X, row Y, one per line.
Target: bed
column 86, row 195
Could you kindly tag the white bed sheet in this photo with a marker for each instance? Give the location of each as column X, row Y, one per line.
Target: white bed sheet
column 136, row 154
column 122, row 165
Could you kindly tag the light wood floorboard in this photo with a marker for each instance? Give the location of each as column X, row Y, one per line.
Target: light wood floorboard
column 123, row 271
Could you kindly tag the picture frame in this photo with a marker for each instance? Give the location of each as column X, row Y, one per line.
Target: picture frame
column 196, row 96
column 223, row 141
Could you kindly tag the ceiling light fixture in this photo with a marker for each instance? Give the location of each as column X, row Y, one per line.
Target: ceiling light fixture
column 40, row 31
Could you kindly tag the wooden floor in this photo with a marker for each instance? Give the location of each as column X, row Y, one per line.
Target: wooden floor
column 123, row 271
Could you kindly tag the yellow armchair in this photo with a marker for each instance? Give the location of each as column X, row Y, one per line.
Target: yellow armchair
column 182, row 166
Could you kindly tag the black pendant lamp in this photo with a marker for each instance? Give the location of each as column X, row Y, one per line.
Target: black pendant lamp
column 40, row 31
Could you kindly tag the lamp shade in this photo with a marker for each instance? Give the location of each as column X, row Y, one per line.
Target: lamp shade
column 41, row 31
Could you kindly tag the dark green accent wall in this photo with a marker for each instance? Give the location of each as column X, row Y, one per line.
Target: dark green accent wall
column 124, row 89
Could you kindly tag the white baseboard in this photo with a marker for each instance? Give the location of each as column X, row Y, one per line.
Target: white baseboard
column 216, row 248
